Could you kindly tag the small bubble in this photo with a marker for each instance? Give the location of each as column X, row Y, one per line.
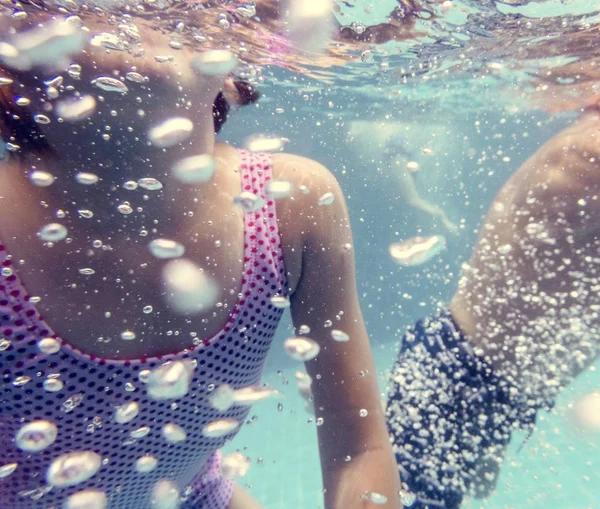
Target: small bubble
column 173, row 433
column 222, row 398
column 73, row 468
column 165, row 249
column 87, row 179
column 127, row 412
column 109, row 84
column 49, row 346
column 42, row 178
column 72, row 402
column 363, row 412
column 125, row 209
column 149, row 183
column 147, row 310
column 248, row 202
column 53, row 385
column 4, row 344
column 376, row 498
column 128, row 335
column 280, row 302
column 165, row 495
column 141, row 432
column 327, row 199
column 42, row 119
column 21, row 381
column 87, row 499
column 235, row 465
column 220, row 428
column 302, row 348
column 339, row 335
column 53, row 232
column 36, row 436
column 215, row 62
column 146, row 464
column 171, row 132
column 6, row 470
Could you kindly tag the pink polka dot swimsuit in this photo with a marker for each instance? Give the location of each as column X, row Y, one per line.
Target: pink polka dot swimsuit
column 89, row 402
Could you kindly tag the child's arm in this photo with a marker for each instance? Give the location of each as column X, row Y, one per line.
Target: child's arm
column 356, row 455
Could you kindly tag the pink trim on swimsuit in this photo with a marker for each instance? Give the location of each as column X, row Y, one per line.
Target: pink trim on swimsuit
column 90, row 389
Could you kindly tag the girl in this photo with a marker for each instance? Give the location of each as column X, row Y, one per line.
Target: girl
column 134, row 303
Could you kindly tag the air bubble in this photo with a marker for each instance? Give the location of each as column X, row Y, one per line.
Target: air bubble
column 171, row 380
column 302, row 349
column 147, row 310
column 109, row 84
column 220, row 428
column 171, row 132
column 407, row 499
column 265, row 143
column 53, row 385
column 222, row 398
column 215, row 62
column 73, row 468
column 280, row 302
column 327, row 199
column 149, row 183
column 49, row 346
column 339, row 335
column 42, row 178
column 146, row 464
column 303, row 330
column 417, row 250
column 164, row 249
column 4, row 344
column 128, row 335
column 165, row 495
column 87, row 271
column 127, row 412
column 280, row 189
column 173, row 433
column 235, row 465
column 250, row 395
column 88, row 499
column 6, row 470
column 22, row 101
column 140, row 432
column 21, row 381
column 87, row 179
column 189, row 290
column 135, row 77
column 194, row 169
column 42, row 119
column 375, row 498
column 53, row 232
column 76, row 109
column 125, row 209
column 248, row 202
column 36, row 436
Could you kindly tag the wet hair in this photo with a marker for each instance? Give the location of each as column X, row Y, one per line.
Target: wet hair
column 246, row 94
column 18, row 126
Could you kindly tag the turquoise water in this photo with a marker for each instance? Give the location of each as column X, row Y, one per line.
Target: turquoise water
column 467, row 101
column 558, row 466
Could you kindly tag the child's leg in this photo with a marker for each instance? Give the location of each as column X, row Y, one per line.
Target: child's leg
column 242, row 500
